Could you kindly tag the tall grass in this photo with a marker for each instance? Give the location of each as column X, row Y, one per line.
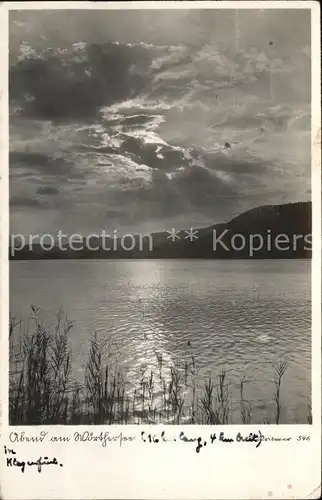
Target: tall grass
column 44, row 391
column 40, row 373
column 280, row 370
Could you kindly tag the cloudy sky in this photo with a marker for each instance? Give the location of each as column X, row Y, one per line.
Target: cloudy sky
column 155, row 158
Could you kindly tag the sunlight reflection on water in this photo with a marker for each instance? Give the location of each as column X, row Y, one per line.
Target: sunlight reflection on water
column 238, row 316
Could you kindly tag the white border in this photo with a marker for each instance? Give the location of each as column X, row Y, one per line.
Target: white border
column 171, row 471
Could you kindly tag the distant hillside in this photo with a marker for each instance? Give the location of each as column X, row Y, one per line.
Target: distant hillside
column 267, row 232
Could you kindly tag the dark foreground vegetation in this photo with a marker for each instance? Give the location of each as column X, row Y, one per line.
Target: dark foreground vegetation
column 44, row 391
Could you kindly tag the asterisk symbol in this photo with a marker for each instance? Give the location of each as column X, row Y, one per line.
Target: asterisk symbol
column 191, row 234
column 173, row 235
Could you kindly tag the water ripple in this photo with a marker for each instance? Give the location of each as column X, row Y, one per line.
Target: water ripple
column 241, row 316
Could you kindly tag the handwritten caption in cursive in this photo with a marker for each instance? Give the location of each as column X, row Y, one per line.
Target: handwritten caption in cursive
column 39, row 463
column 105, row 438
column 219, row 437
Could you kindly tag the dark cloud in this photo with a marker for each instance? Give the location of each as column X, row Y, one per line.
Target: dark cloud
column 24, row 201
column 29, row 159
column 47, row 190
column 194, row 189
column 76, row 176
column 41, row 162
column 126, row 166
column 203, row 189
column 69, row 87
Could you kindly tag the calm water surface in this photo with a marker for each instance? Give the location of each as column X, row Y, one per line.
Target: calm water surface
column 236, row 315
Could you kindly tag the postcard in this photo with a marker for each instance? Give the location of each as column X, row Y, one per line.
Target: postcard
column 160, row 250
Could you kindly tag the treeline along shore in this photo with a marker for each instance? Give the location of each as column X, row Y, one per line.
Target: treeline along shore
column 267, row 232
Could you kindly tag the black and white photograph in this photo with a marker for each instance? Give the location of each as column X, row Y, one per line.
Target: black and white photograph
column 160, row 238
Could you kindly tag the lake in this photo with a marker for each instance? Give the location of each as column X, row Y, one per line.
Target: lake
column 237, row 315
